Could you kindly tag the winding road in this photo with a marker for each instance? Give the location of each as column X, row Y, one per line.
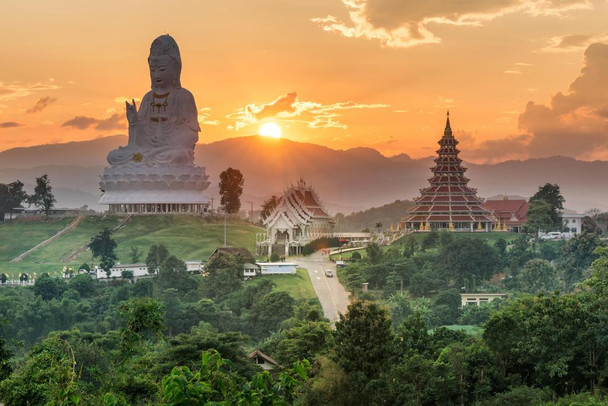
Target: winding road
column 331, row 294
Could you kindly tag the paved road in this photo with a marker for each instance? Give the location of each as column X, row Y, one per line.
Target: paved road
column 331, row 294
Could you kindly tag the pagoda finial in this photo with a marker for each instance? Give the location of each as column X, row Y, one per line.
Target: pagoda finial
column 448, row 130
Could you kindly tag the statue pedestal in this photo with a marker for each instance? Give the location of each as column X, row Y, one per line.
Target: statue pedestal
column 155, row 189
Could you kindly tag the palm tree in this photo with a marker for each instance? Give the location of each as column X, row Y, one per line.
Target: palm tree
column 379, row 226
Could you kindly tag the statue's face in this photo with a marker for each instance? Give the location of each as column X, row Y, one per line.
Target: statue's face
column 161, row 73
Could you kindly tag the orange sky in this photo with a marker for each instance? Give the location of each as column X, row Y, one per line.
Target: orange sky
column 521, row 78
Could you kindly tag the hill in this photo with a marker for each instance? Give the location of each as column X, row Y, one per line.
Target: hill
column 187, row 237
column 346, row 180
column 387, row 214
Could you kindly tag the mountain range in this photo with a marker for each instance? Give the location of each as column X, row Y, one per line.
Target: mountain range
column 346, row 180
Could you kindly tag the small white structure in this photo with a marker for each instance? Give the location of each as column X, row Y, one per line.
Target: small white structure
column 478, row 299
column 277, row 268
column 194, row 266
column 355, row 238
column 250, row 270
column 117, row 270
column 573, row 221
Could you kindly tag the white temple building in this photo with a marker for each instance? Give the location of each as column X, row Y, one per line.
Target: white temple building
column 298, row 219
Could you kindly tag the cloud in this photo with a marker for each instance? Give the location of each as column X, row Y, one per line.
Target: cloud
column 571, row 43
column 407, row 23
column 114, row 122
column 41, row 104
column 496, row 150
column 17, row 89
column 573, row 124
column 10, row 124
column 289, row 108
column 203, row 117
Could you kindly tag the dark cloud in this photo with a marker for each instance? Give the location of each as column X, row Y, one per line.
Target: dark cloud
column 41, row 104
column 575, row 123
column 284, row 104
column 496, row 150
column 573, row 41
column 10, row 124
column 82, row 123
column 115, row 122
column 405, row 23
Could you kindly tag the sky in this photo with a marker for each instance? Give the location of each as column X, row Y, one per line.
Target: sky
column 521, row 79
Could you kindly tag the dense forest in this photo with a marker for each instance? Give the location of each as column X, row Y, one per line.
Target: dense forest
column 181, row 339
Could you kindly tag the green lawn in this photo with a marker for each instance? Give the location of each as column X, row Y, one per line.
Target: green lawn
column 298, row 286
column 18, row 236
column 61, row 248
column 470, row 330
column 187, row 237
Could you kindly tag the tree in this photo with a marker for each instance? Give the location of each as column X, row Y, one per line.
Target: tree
column 576, row 256
column 364, row 339
column 48, row 287
column 43, row 197
column 216, row 384
column 231, row 188
column 378, row 226
column 269, row 205
column 551, row 194
column 365, row 346
column 156, row 256
column 272, row 310
column 540, row 216
column 102, row 246
column 135, row 254
column 11, row 196
column 538, row 275
column 374, row 253
column 224, row 275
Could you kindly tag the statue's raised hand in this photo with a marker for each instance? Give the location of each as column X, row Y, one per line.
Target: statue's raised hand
column 132, row 113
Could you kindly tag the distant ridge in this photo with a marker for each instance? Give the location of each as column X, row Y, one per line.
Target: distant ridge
column 346, row 180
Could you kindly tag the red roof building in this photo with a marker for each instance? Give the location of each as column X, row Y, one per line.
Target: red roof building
column 511, row 215
column 448, row 203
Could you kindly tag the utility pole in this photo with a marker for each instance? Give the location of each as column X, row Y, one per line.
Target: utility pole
column 250, row 211
column 224, row 226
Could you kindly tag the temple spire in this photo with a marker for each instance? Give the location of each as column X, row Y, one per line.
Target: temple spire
column 448, row 129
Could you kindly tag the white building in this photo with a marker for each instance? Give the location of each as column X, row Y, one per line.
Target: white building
column 116, row 271
column 573, row 221
column 477, row 299
column 298, row 219
column 277, row 268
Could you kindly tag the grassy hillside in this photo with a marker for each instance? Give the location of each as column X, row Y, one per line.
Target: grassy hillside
column 189, row 238
column 299, row 286
column 388, row 214
column 17, row 236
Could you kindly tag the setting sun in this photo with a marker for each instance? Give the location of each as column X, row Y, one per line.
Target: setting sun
column 270, row 130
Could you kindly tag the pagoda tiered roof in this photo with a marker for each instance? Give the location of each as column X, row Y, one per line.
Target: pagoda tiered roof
column 448, row 199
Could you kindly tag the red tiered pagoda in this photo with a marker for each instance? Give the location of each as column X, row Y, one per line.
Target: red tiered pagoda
column 448, row 204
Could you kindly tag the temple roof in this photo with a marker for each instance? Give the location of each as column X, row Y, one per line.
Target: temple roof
column 448, row 198
column 299, row 204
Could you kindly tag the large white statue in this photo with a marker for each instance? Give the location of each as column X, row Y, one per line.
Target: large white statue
column 155, row 171
column 165, row 129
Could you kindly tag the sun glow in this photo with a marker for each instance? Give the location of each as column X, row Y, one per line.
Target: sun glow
column 270, row 130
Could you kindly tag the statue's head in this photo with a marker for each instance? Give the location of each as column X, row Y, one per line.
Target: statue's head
column 164, row 55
